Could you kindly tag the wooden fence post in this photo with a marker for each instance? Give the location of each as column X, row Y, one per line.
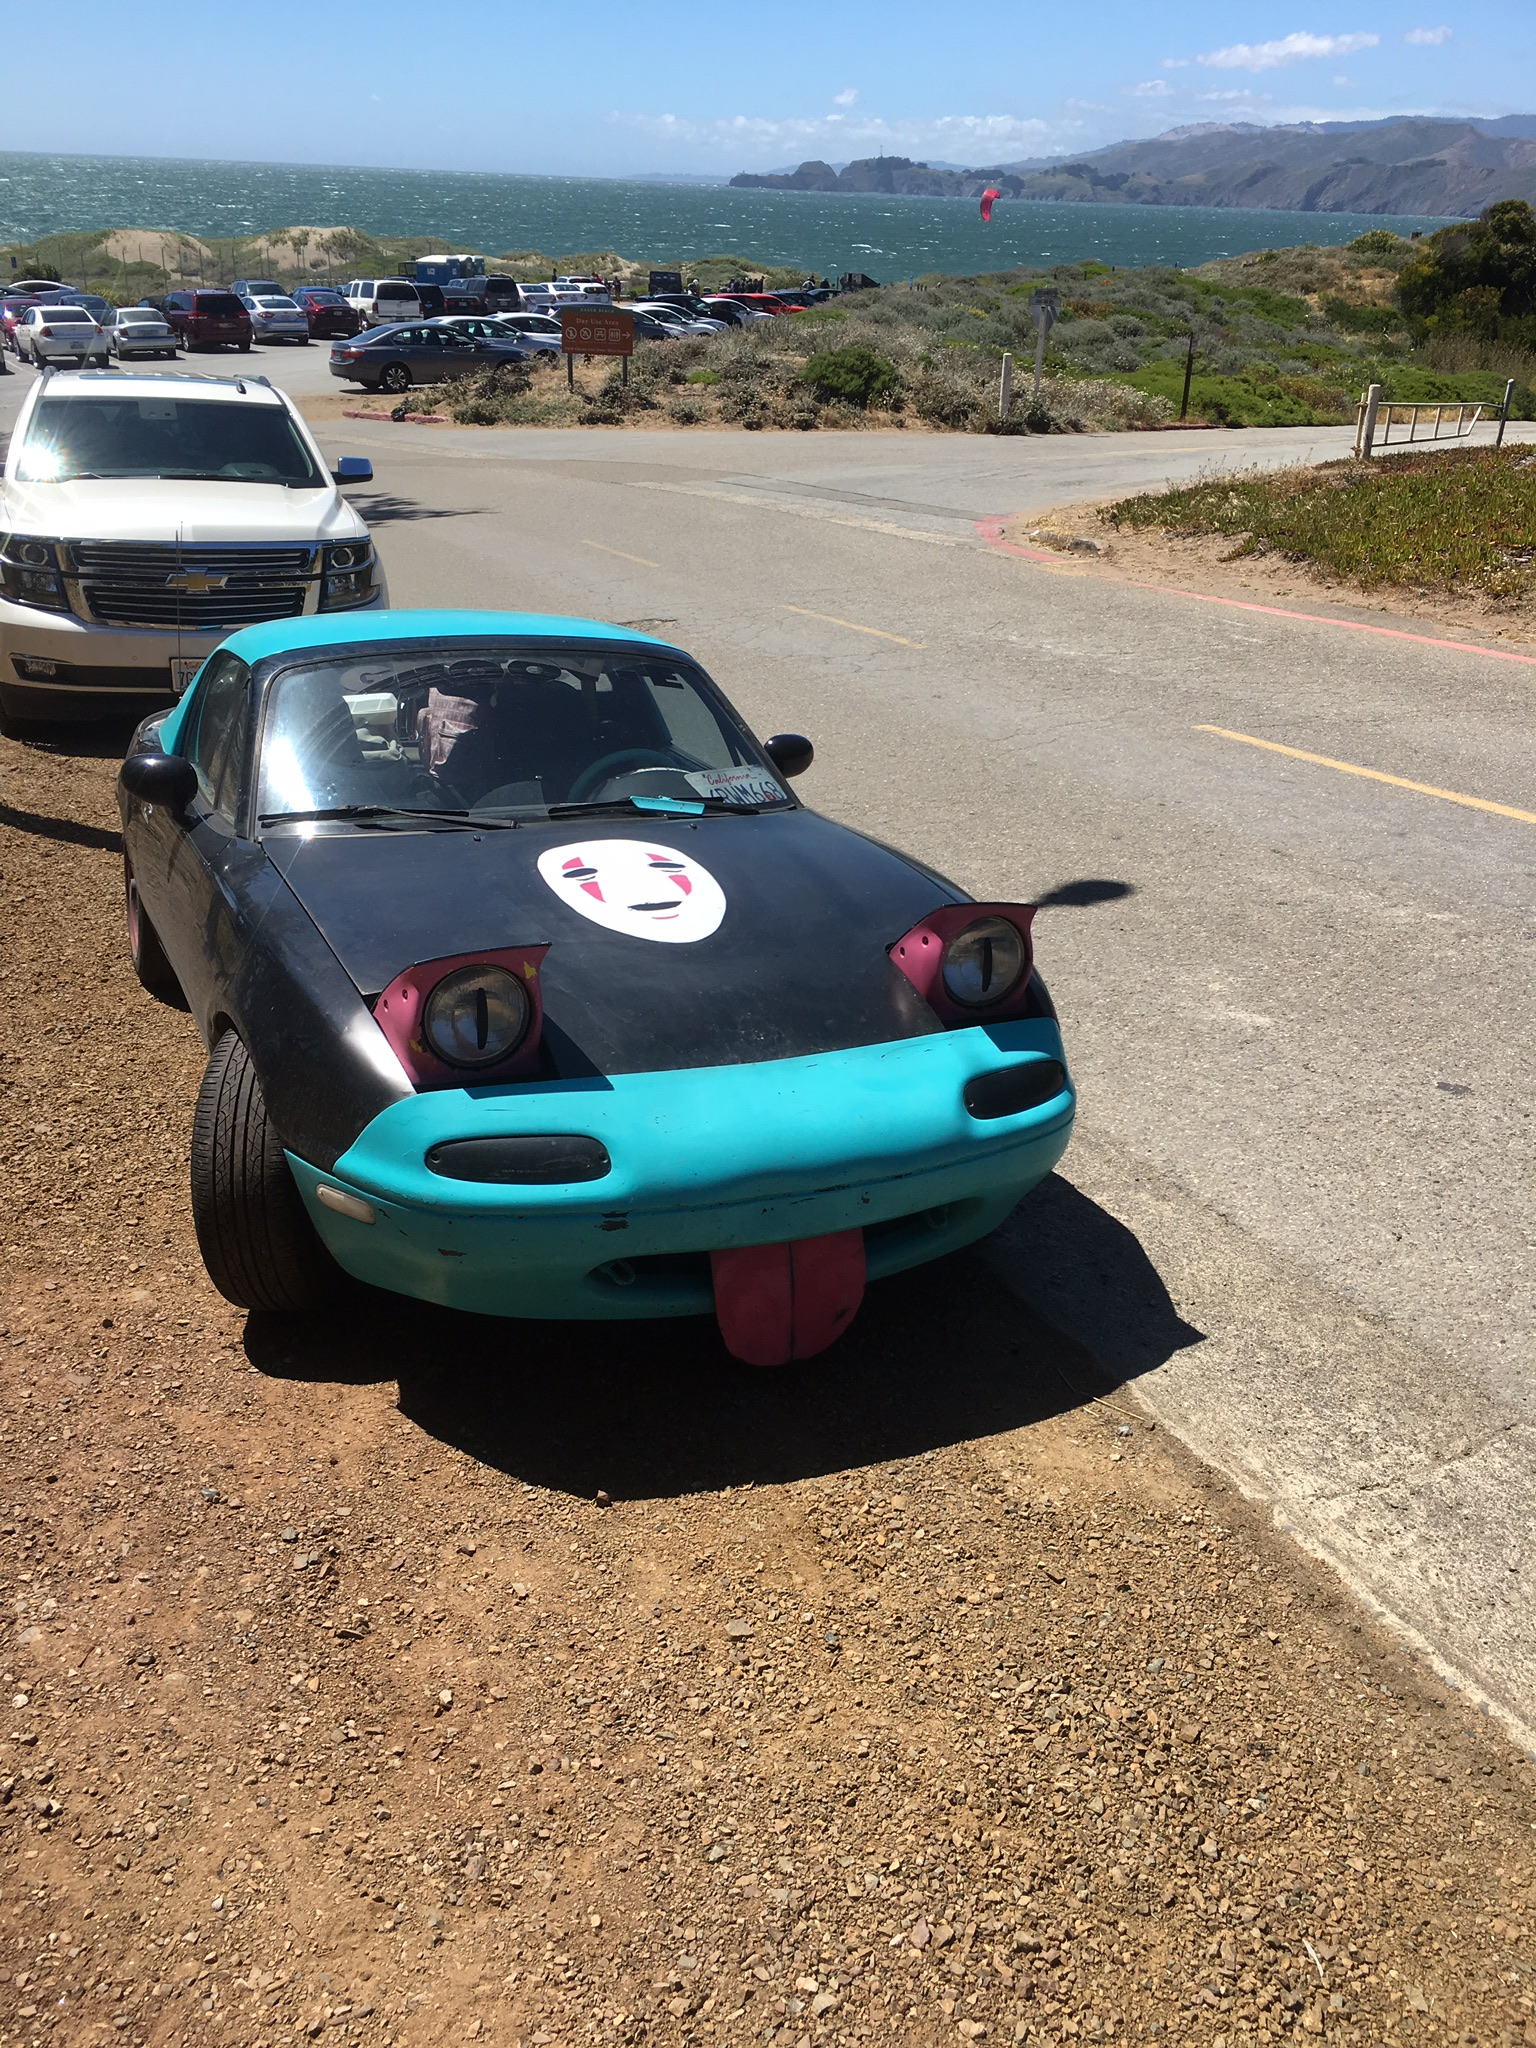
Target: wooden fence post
column 1005, row 387
column 1509, row 392
column 1366, row 435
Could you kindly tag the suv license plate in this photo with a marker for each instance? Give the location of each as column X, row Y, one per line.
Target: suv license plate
column 183, row 669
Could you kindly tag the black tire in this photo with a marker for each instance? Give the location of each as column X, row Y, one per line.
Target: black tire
column 155, row 973
column 394, row 377
column 244, row 347
column 253, row 1231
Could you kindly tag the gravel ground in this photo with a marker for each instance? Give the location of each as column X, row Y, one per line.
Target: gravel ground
column 409, row 1678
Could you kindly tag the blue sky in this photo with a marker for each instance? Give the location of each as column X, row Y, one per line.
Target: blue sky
column 591, row 86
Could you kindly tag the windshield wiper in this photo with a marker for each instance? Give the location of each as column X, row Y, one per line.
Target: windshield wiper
column 373, row 814
column 656, row 807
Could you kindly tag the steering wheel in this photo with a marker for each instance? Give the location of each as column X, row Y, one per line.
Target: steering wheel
column 610, row 765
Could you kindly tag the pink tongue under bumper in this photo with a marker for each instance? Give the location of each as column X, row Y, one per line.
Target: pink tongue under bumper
column 775, row 1302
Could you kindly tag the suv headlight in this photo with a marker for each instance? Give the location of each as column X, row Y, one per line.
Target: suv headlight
column 29, row 572
column 348, row 575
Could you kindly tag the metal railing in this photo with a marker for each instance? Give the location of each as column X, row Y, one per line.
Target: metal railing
column 1452, row 421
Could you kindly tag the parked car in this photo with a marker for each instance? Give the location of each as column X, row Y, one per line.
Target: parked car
column 494, row 333
column 718, row 307
column 13, row 308
column 395, row 358
column 433, row 301
column 591, row 289
column 540, row 331
column 139, row 331
column 761, row 302
column 257, row 287
column 326, row 311
column 674, row 317
column 501, row 294
column 276, row 317
column 143, row 517
column 649, row 328
column 785, row 1058
column 382, row 300
column 206, row 319
column 52, row 333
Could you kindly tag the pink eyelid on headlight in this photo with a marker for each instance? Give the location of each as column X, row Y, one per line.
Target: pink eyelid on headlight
column 920, row 956
column 398, row 1015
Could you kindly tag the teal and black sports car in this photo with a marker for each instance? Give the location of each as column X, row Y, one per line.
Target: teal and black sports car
column 530, row 988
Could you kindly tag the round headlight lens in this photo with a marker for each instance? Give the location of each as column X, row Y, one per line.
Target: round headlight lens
column 349, row 557
column 35, row 553
column 476, row 1016
column 982, row 964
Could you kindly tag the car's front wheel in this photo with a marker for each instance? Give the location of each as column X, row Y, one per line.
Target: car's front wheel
column 394, row 377
column 257, row 1241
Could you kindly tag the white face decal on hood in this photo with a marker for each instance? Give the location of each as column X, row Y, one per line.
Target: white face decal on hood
column 648, row 892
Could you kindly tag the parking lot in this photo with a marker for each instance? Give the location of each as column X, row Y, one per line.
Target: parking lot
column 1292, row 1228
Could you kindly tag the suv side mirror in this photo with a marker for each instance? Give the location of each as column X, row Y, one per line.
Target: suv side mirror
column 167, row 779
column 790, row 752
column 353, row 469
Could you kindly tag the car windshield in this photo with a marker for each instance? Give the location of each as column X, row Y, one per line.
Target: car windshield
column 325, row 298
column 63, row 316
column 503, row 731
column 164, row 436
column 217, row 305
column 278, row 305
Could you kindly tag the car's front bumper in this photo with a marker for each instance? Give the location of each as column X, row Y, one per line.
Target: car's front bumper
column 876, row 1138
column 58, row 665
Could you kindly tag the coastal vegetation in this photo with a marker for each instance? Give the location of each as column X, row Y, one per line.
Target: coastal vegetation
column 1448, row 521
column 1280, row 337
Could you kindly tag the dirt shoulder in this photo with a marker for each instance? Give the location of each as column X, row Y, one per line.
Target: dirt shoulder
column 908, row 1694
column 1205, row 564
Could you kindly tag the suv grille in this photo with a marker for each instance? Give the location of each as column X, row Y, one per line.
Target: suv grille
column 132, row 583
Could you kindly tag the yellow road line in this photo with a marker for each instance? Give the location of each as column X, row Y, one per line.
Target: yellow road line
column 827, row 619
column 621, row 554
column 1450, row 796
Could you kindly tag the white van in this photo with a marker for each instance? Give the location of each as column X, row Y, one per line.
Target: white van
column 381, row 300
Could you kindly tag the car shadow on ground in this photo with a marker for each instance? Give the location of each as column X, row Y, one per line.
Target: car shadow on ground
column 639, row 1410
column 385, row 508
column 66, row 830
column 94, row 739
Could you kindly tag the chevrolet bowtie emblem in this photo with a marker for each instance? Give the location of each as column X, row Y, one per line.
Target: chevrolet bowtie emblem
column 194, row 582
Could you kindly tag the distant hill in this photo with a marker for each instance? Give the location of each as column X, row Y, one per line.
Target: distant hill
column 1416, row 166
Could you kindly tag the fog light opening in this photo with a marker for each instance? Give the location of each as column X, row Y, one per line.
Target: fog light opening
column 938, row 1219
column 617, row 1273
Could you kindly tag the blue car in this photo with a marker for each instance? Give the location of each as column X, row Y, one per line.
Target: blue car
column 530, row 988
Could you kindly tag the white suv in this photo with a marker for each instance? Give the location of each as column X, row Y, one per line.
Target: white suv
column 382, row 300
column 144, row 518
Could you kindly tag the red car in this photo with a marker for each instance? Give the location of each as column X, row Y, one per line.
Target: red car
column 11, row 310
column 206, row 319
column 762, row 302
column 327, row 311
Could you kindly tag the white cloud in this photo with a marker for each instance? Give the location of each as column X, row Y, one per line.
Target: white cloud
column 848, row 97
column 1428, row 38
column 1290, row 49
column 1153, row 89
column 745, row 141
column 1175, row 63
column 1340, row 79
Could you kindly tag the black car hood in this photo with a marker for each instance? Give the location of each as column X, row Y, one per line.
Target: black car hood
column 798, row 963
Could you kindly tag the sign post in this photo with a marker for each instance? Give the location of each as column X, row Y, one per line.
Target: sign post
column 1045, row 305
column 598, row 331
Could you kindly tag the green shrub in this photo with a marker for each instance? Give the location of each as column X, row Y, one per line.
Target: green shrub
column 1378, row 242
column 686, row 411
column 855, row 375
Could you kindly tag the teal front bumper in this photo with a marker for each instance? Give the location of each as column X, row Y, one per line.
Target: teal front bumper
column 876, row 1137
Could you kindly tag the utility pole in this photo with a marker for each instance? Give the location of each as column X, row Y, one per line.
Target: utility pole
column 1005, row 387
column 1189, row 371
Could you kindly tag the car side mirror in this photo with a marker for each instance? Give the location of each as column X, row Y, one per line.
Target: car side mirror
column 166, row 779
column 790, row 752
column 353, row 469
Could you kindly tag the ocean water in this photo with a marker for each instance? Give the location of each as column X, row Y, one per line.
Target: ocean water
column 888, row 238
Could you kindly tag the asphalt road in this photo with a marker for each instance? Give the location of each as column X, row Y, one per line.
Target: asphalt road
column 1298, row 1210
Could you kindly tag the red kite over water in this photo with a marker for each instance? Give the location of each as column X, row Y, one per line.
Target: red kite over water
column 987, row 198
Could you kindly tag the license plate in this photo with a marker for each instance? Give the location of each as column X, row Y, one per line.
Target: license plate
column 183, row 669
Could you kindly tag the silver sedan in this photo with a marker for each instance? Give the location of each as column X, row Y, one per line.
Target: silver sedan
column 138, row 331
column 276, row 318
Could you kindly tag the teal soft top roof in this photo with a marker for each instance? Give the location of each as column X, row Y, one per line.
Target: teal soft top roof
column 347, row 629
column 350, row 629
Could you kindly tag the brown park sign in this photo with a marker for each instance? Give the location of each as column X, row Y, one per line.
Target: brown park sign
column 600, row 332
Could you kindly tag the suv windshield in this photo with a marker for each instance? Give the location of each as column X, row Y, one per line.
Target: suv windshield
column 217, row 305
column 166, row 436
column 500, row 731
